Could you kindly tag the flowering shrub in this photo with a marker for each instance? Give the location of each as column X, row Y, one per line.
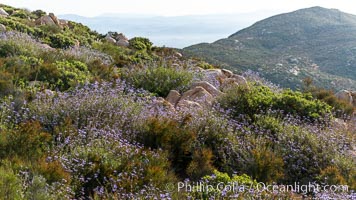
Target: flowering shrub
column 72, row 128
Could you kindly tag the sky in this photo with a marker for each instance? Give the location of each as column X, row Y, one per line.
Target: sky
column 91, row 8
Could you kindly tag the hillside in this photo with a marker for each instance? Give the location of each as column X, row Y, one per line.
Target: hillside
column 314, row 42
column 91, row 116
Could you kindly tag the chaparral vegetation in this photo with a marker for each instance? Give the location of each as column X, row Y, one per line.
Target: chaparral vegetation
column 89, row 116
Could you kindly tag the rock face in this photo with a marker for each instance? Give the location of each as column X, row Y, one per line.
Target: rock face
column 2, row 28
column 3, row 13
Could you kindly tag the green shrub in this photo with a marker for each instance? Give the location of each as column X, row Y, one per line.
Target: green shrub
column 23, row 14
column 243, row 100
column 8, row 49
column 71, row 73
column 6, row 84
column 61, row 41
column 140, row 43
column 37, row 189
column 39, row 13
column 158, row 79
column 201, row 164
column 256, row 99
column 299, row 104
column 118, row 164
column 10, row 184
column 171, row 136
column 265, row 165
column 29, row 141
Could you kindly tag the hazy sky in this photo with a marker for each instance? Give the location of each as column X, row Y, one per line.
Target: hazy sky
column 175, row 7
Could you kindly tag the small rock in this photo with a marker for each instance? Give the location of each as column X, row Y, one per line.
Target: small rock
column 173, row 97
column 3, row 13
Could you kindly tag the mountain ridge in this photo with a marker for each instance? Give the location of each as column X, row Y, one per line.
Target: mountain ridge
column 316, row 42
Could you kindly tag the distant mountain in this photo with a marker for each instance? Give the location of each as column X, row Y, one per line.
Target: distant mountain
column 178, row 32
column 314, row 42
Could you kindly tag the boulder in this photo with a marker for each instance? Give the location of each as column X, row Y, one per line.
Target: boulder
column 63, row 23
column 199, row 95
column 345, row 95
column 110, row 39
column 189, row 105
column 54, row 19
column 173, row 97
column 3, row 13
column 120, row 36
column 161, row 105
column 117, row 38
column 353, row 94
column 214, row 77
column 45, row 20
column 178, row 55
column 208, row 87
column 2, row 28
column 228, row 83
column 227, row 73
column 123, row 43
column 239, row 79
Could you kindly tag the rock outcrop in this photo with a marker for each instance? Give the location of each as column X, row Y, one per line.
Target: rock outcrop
column 117, row 38
column 203, row 93
column 3, row 13
column 51, row 20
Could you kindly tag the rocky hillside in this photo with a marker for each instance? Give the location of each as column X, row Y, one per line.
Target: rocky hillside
column 90, row 116
column 315, row 42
